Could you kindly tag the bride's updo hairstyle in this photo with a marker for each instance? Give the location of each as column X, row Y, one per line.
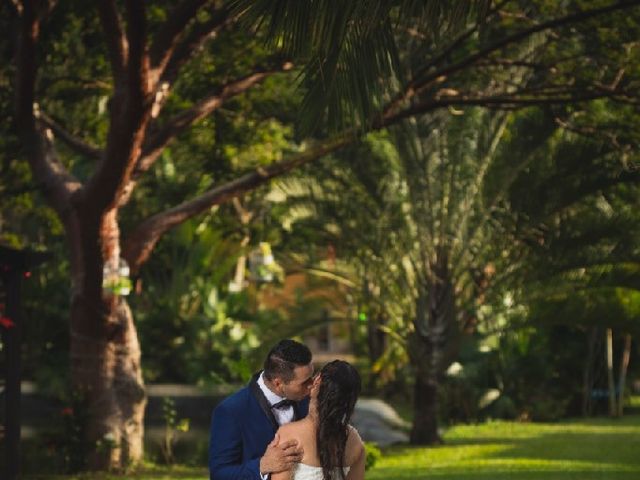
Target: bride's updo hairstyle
column 339, row 390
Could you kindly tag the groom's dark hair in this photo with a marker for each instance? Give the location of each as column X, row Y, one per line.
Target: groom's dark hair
column 284, row 357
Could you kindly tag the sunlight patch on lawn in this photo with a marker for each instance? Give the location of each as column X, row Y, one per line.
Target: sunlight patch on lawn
column 593, row 449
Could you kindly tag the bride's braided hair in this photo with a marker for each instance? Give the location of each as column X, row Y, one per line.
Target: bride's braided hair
column 339, row 390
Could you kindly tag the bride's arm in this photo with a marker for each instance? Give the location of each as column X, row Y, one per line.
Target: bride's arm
column 357, row 469
column 356, row 446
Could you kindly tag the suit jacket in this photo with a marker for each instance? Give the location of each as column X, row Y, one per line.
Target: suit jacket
column 242, row 426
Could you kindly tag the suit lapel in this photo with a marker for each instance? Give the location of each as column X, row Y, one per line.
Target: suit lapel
column 296, row 411
column 262, row 400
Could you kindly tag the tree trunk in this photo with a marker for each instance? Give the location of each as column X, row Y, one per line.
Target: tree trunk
column 587, row 374
column 624, row 366
column 376, row 337
column 611, row 384
column 424, row 430
column 433, row 348
column 105, row 353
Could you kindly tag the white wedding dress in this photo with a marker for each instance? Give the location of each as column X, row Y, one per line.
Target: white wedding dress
column 309, row 472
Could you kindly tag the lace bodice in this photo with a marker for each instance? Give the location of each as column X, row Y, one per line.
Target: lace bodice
column 309, row 472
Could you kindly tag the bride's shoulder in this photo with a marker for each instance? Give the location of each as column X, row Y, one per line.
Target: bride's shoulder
column 287, row 429
column 290, row 430
column 355, row 445
column 354, row 435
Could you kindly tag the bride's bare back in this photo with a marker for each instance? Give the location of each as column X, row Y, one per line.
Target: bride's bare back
column 304, row 431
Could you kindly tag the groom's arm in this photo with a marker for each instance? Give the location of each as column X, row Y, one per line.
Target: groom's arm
column 225, row 449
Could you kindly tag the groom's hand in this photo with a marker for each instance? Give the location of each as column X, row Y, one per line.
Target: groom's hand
column 280, row 457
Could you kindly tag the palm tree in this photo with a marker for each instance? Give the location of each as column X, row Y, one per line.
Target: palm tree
column 427, row 227
column 143, row 52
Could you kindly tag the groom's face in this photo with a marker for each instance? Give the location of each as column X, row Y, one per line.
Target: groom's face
column 299, row 386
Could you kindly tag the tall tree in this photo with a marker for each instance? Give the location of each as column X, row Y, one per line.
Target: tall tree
column 432, row 231
column 146, row 50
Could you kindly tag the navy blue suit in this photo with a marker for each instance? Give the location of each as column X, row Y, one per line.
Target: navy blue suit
column 241, row 428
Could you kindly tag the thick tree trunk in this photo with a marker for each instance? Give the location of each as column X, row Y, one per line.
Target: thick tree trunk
column 424, row 430
column 105, row 354
column 433, row 347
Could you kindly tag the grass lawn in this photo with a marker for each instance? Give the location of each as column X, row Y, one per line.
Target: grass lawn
column 576, row 450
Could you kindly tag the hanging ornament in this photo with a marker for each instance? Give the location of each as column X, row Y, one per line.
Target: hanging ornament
column 262, row 265
column 115, row 279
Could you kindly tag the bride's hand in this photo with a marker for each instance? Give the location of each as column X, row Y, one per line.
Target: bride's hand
column 280, row 457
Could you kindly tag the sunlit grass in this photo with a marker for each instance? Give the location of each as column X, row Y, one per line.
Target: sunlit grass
column 634, row 401
column 596, row 449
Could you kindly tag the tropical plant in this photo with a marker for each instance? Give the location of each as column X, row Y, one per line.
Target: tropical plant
column 434, row 231
column 143, row 75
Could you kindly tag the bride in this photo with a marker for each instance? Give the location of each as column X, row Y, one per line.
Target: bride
column 332, row 448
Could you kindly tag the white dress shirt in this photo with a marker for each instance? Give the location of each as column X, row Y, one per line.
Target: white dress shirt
column 283, row 415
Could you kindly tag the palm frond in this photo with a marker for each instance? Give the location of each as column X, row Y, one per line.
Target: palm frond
column 348, row 47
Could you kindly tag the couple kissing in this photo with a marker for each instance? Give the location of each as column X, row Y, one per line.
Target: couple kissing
column 288, row 423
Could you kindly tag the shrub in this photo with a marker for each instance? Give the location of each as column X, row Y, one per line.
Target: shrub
column 373, row 454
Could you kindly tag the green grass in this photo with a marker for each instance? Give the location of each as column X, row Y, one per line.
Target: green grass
column 634, row 401
column 146, row 473
column 580, row 450
column 575, row 450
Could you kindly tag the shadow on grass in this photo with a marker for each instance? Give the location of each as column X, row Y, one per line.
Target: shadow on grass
column 196, row 474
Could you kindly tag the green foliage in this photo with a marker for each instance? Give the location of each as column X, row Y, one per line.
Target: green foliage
column 387, row 211
column 46, row 298
column 25, row 221
column 350, row 55
column 184, row 313
column 467, row 384
column 540, row 369
column 373, row 454
column 61, row 447
column 172, row 427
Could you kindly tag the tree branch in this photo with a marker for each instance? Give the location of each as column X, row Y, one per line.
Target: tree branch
column 54, row 180
column 416, row 85
column 141, row 242
column 74, row 142
column 178, row 124
column 507, row 102
column 117, row 44
column 139, row 245
column 129, row 115
column 138, row 61
column 165, row 70
column 192, row 42
column 167, row 38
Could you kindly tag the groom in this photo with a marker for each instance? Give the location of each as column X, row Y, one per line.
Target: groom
column 243, row 443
